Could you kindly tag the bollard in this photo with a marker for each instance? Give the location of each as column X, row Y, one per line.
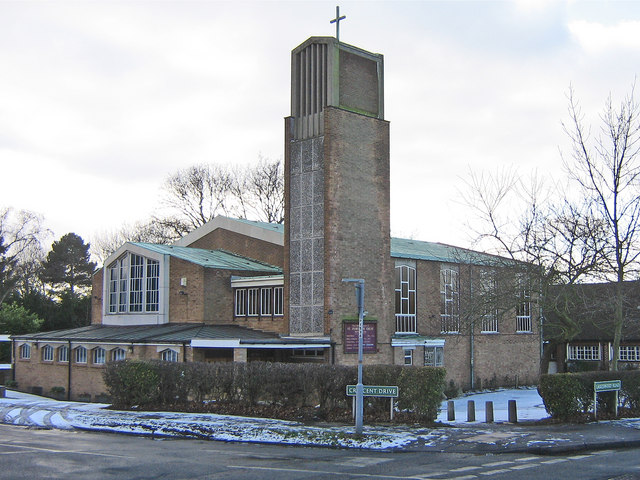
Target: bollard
column 3, row 391
column 488, row 412
column 451, row 411
column 471, row 411
column 513, row 412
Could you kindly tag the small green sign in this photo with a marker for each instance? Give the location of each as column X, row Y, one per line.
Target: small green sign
column 374, row 391
column 608, row 386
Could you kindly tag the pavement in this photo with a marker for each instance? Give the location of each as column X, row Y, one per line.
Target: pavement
column 478, row 438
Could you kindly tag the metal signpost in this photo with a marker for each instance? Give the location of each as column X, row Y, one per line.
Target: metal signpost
column 359, row 387
column 388, row 391
column 607, row 386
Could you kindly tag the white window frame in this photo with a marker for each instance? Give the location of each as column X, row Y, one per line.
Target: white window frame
column 98, row 356
column 405, row 299
column 47, row 353
column 488, row 289
column 25, row 351
column 523, row 308
column 80, row 355
column 449, row 299
column 169, row 355
column 408, row 357
column 433, row 356
column 133, row 285
column 240, row 302
column 265, row 301
column 118, row 354
column 629, row 353
column 589, row 353
column 63, row 354
column 253, row 301
column 278, row 301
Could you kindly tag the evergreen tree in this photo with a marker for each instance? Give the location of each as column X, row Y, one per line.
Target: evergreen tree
column 67, row 267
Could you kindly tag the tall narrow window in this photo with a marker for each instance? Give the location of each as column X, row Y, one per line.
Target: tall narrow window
column 136, row 283
column 153, row 286
column 523, row 307
column 253, row 302
column 265, row 302
column 487, row 290
column 405, row 299
column 449, row 300
column 241, row 302
column 278, row 301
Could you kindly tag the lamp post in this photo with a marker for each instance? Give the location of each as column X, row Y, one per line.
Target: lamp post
column 359, row 387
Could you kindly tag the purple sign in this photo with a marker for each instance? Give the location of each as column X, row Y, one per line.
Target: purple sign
column 369, row 337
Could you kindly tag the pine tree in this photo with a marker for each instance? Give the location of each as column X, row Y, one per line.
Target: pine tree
column 68, row 266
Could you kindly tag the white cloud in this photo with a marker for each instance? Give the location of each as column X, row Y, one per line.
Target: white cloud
column 596, row 37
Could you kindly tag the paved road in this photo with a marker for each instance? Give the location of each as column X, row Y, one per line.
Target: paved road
column 71, row 455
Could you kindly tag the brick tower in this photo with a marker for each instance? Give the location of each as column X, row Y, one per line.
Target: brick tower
column 337, row 198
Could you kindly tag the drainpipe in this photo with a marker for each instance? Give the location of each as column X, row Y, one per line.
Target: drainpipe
column 184, row 352
column 471, row 335
column 13, row 360
column 69, row 372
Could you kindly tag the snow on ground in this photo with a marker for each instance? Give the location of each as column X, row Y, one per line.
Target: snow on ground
column 529, row 404
column 31, row 410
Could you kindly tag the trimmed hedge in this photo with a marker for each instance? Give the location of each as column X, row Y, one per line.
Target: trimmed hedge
column 176, row 385
column 569, row 395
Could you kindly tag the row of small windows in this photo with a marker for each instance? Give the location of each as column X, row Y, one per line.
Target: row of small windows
column 406, row 294
column 259, row 302
column 626, row 353
column 81, row 354
column 433, row 356
column 134, row 285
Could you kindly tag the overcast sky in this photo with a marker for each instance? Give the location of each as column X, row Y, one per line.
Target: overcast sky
column 100, row 101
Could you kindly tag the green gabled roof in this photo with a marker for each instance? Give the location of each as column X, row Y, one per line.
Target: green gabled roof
column 275, row 227
column 439, row 252
column 220, row 259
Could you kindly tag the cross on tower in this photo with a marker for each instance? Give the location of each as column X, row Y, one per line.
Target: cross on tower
column 337, row 22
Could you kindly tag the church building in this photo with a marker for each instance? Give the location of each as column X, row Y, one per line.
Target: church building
column 239, row 290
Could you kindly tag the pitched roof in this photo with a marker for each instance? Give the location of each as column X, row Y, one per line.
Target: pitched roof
column 268, row 232
column 439, row 252
column 177, row 333
column 220, row 259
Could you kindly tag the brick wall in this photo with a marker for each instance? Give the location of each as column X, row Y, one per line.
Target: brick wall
column 242, row 245
column 96, row 296
column 357, row 232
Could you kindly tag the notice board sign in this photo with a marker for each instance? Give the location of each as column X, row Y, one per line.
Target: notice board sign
column 369, row 337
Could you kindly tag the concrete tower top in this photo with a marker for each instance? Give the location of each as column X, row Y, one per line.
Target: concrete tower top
column 325, row 72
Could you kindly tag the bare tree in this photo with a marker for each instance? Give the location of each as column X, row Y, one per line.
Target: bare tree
column 259, row 191
column 607, row 169
column 198, row 193
column 152, row 231
column 20, row 233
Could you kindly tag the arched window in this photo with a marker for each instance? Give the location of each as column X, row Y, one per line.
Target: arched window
column 25, row 351
column 63, row 354
column 169, row 355
column 81, row 355
column 118, row 354
column 99, row 355
column 47, row 353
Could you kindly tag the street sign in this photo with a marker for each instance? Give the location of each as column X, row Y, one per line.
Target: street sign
column 608, row 386
column 374, row 391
